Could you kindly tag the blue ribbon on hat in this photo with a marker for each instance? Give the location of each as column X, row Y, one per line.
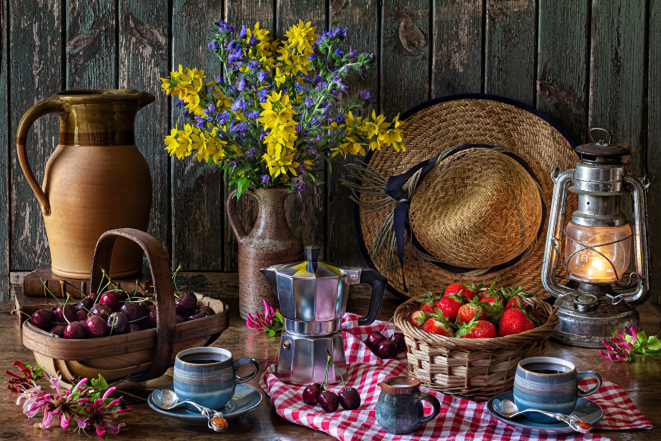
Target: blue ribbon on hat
column 394, row 189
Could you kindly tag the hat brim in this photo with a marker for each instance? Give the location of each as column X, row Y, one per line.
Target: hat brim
column 468, row 119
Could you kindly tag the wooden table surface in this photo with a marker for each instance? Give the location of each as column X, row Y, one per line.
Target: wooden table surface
column 641, row 380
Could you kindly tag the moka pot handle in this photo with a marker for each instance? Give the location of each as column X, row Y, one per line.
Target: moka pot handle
column 51, row 105
column 378, row 284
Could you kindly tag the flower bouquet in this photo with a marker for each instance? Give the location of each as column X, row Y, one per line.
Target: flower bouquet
column 277, row 109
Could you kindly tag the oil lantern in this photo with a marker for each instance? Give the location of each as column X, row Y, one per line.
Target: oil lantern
column 604, row 257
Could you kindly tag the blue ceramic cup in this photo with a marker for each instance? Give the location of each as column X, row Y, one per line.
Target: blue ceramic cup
column 550, row 384
column 206, row 376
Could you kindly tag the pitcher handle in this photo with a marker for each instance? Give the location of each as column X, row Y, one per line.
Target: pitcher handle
column 378, row 284
column 587, row 374
column 235, row 222
column 436, row 406
column 51, row 105
column 247, row 360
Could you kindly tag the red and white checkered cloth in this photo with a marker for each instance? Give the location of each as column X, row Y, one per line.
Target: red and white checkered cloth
column 460, row 419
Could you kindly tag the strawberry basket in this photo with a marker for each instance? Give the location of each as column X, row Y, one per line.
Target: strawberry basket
column 142, row 355
column 476, row 369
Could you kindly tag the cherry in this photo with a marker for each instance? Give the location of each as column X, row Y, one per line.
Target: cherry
column 65, row 314
column 58, row 330
column 387, row 349
column 328, row 401
column 74, row 331
column 398, row 339
column 118, row 323
column 208, row 309
column 374, row 339
column 102, row 311
column 92, row 296
column 134, row 328
column 186, row 303
column 86, row 334
column 85, row 304
column 349, row 398
column 96, row 326
column 151, row 316
column 311, row 394
column 42, row 319
column 81, row 315
column 110, row 300
column 132, row 311
column 198, row 315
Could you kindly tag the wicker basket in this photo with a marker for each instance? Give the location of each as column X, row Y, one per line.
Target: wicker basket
column 471, row 368
column 143, row 355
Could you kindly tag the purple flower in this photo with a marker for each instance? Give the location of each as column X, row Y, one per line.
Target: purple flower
column 253, row 114
column 337, row 79
column 224, row 27
column 262, row 135
column 250, row 152
column 186, row 113
column 209, row 111
column 353, row 53
column 239, row 105
column 309, row 102
column 232, row 163
column 372, row 56
column 213, row 45
column 265, row 178
column 222, row 117
column 347, row 67
column 313, row 151
column 219, row 79
column 261, row 95
column 339, row 52
column 243, row 32
column 322, row 85
column 302, row 168
column 253, row 41
column 241, row 85
column 253, row 64
column 262, row 75
column 180, row 103
column 362, row 73
column 232, row 45
column 200, row 122
column 300, row 189
column 238, row 128
column 312, row 56
column 340, row 119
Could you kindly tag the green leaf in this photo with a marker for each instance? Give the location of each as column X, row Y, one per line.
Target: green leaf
column 100, row 384
column 271, row 332
column 653, row 354
column 653, row 344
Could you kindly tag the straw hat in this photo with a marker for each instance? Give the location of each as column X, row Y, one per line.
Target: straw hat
column 468, row 201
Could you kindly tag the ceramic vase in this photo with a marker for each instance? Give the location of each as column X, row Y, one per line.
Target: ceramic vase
column 270, row 242
column 95, row 180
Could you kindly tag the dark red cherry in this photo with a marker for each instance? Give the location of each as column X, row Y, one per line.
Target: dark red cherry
column 328, row 401
column 96, row 326
column 311, row 394
column 151, row 317
column 110, row 300
column 131, row 311
column 118, row 323
column 92, row 296
column 186, row 303
column 374, row 339
column 387, row 349
column 58, row 330
column 74, row 331
column 198, row 315
column 398, row 339
column 134, row 328
column 208, row 309
column 349, row 398
column 81, row 315
column 85, row 304
column 102, row 311
column 65, row 314
column 42, row 319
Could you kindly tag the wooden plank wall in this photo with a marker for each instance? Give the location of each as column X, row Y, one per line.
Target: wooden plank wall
column 583, row 62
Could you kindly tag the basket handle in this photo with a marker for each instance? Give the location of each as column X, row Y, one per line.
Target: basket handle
column 163, row 291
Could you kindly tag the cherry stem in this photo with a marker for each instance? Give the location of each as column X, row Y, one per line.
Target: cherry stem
column 326, row 374
column 42, row 282
column 336, row 368
column 64, row 282
column 385, row 328
column 22, row 312
column 174, row 280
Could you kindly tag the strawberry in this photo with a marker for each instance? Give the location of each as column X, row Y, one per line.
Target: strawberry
column 492, row 308
column 477, row 329
column 450, row 305
column 518, row 304
column 457, row 288
column 470, row 310
column 418, row 318
column 428, row 303
column 438, row 325
column 470, row 290
column 515, row 321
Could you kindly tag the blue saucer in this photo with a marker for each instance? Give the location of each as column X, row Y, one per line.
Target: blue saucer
column 585, row 409
column 245, row 399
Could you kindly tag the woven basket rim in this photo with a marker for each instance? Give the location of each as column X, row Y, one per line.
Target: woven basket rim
column 543, row 331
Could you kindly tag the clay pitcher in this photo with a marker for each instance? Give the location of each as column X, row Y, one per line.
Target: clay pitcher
column 270, row 242
column 95, row 180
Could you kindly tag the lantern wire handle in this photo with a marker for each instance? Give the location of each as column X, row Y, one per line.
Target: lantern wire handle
column 602, row 130
column 593, row 248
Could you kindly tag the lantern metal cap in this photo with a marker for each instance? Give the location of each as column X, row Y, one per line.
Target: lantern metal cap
column 605, row 150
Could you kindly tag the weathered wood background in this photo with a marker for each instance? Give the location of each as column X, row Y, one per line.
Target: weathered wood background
column 584, row 63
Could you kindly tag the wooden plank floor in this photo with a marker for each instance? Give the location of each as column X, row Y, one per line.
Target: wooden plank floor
column 642, row 380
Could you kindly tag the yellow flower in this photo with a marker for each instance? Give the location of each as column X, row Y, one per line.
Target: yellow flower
column 179, row 142
column 301, row 37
